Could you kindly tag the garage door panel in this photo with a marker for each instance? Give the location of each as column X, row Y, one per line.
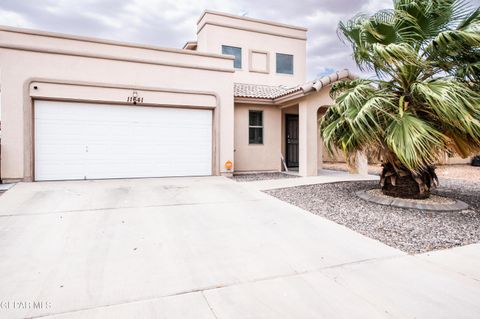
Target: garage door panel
column 50, row 171
column 80, row 140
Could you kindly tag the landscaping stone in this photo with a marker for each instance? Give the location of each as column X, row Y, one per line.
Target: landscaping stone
column 413, row 230
column 434, row 203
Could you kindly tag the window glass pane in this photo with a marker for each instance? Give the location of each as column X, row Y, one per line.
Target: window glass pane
column 255, row 118
column 255, row 135
column 284, row 63
column 237, row 52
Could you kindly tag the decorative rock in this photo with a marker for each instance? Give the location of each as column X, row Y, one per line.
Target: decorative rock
column 456, row 205
column 411, row 230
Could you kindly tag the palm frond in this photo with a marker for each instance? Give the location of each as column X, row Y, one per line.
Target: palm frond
column 415, row 142
column 453, row 103
column 426, row 54
column 354, row 121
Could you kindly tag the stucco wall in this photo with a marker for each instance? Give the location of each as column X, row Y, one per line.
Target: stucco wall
column 339, row 157
column 215, row 30
column 455, row 160
column 309, row 154
column 34, row 56
column 86, row 45
column 258, row 157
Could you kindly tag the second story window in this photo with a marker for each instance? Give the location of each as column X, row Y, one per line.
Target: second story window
column 237, row 52
column 284, row 63
column 255, row 127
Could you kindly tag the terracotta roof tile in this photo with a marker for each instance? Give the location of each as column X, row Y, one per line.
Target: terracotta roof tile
column 259, row 91
column 273, row 92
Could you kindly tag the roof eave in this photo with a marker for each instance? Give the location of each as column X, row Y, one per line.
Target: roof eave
column 302, row 91
column 253, row 100
column 266, row 101
column 288, row 97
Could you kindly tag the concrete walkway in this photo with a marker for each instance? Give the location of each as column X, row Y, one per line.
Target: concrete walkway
column 208, row 248
column 324, row 176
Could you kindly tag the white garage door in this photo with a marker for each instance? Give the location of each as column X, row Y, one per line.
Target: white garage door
column 93, row 141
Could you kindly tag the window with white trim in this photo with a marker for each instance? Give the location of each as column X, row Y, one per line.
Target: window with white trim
column 255, row 127
column 236, row 52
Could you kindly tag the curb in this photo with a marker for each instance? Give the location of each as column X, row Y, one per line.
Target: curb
column 399, row 202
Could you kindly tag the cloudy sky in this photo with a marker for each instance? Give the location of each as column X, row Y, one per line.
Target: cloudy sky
column 170, row 23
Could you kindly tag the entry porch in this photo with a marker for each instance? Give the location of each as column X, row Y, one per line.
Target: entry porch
column 279, row 130
column 303, row 149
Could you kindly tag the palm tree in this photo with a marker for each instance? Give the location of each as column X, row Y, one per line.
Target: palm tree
column 424, row 100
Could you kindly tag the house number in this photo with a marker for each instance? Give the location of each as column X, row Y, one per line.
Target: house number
column 135, row 98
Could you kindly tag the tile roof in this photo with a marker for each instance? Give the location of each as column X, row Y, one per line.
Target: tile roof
column 260, row 91
column 272, row 92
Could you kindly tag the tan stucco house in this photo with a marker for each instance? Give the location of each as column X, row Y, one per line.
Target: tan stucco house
column 84, row 108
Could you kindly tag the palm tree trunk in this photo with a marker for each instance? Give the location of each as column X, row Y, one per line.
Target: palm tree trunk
column 405, row 187
column 404, row 184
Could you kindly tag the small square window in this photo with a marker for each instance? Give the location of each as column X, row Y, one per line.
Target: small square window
column 284, row 63
column 237, row 52
column 255, row 127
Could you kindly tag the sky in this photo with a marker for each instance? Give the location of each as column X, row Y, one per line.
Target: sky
column 170, row 23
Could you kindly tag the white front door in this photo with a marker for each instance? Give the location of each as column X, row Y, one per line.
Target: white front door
column 94, row 141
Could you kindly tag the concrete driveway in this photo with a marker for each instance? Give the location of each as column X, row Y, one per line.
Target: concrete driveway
column 206, row 248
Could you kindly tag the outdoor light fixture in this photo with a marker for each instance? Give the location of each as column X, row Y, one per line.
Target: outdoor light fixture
column 228, row 165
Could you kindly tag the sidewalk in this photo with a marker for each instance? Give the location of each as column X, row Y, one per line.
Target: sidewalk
column 324, row 176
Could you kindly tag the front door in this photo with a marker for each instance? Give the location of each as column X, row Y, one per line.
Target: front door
column 291, row 131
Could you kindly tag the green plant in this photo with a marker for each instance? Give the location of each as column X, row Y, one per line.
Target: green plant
column 424, row 100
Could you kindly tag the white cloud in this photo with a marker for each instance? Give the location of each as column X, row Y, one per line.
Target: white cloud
column 13, row 19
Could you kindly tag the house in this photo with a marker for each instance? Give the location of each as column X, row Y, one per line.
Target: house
column 234, row 100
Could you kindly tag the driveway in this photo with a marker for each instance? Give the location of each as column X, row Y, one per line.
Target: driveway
column 207, row 248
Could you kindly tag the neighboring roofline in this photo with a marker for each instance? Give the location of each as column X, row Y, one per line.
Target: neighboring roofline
column 300, row 91
column 189, row 43
column 233, row 16
column 109, row 42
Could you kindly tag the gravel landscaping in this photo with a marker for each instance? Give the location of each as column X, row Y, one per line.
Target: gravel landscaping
column 411, row 230
column 261, row 176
